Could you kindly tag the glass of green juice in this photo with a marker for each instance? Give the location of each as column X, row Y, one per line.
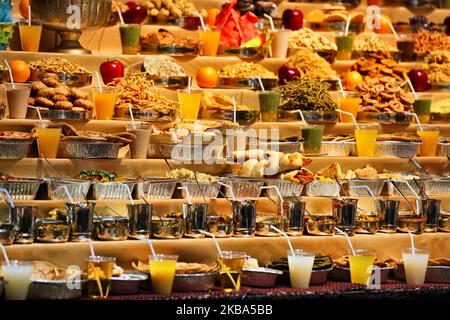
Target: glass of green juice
column 422, row 107
column 344, row 45
column 129, row 37
column 269, row 101
column 312, row 136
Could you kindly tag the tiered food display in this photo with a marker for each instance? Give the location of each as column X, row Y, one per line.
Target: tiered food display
column 237, row 121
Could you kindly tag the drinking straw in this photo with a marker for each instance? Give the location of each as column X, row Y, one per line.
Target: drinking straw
column 347, row 24
column 287, row 238
column 127, row 188
column 188, row 195
column 99, row 81
column 91, row 247
column 277, row 191
column 403, row 196
column 130, row 108
column 392, row 28
column 119, row 12
column 412, row 88
column 261, row 84
column 199, row 187
column 341, row 87
column 201, row 21
column 152, row 249
column 272, row 26
column 349, row 114
column 67, row 193
column 39, row 115
column 8, row 197
column 419, row 125
column 368, row 191
column 409, row 186
column 340, row 187
column 301, row 116
column 5, row 256
column 411, row 237
column 9, row 70
column 189, row 84
column 29, row 15
column 215, row 241
column 421, row 188
column 348, row 240
column 229, row 187
column 234, row 109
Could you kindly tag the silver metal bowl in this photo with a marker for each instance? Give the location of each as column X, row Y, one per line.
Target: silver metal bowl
column 55, row 289
column 397, row 149
column 128, row 283
column 194, row 282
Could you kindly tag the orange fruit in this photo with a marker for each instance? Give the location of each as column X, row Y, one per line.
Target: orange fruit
column 20, row 70
column 207, row 77
column 351, row 79
column 384, row 25
column 23, row 8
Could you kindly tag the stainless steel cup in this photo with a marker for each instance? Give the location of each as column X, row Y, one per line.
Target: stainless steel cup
column 80, row 217
column 140, row 216
column 219, row 226
column 430, row 209
column 195, row 217
column 244, row 217
column 23, row 218
column 7, row 233
column 388, row 213
column 111, row 228
column 293, row 217
column 344, row 212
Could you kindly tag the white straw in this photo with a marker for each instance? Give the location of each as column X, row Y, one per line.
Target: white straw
column 91, row 247
column 272, row 26
column 39, row 115
column 234, row 109
column 8, row 197
column 9, row 70
column 188, row 195
column 392, row 28
column 99, row 81
column 347, row 24
column 202, row 22
column 5, row 256
column 229, row 188
column 119, row 12
column 127, row 188
column 130, row 108
column 411, row 237
column 348, row 240
column 215, row 241
column 412, row 88
column 152, row 249
column 417, row 119
column 409, row 186
column 66, row 191
column 349, row 114
column 368, row 191
column 261, row 84
column 29, row 15
column 301, row 116
column 277, row 191
column 341, row 87
column 189, row 84
column 287, row 238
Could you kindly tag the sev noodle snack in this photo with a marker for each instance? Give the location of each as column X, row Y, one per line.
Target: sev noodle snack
column 57, row 65
column 311, row 65
column 306, row 38
column 246, row 70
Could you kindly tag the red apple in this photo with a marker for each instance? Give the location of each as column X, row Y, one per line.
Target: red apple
column 135, row 14
column 110, row 70
column 419, row 79
column 292, row 19
column 286, row 73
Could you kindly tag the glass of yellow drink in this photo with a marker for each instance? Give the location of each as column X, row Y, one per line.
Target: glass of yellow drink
column 99, row 273
column 162, row 272
column 30, row 34
column 189, row 103
column 361, row 266
column 430, row 138
column 366, row 139
column 230, row 269
column 209, row 41
column 349, row 103
column 48, row 140
column 104, row 102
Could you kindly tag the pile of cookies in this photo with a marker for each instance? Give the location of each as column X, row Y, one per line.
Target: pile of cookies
column 379, row 65
column 384, row 95
column 50, row 93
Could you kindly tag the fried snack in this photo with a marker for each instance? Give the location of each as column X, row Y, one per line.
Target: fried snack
column 380, row 65
column 302, row 176
column 307, row 38
column 364, row 173
column 57, row 65
column 17, row 135
column 311, row 65
column 37, row 86
column 44, row 102
column 85, row 104
column 372, row 42
column 219, row 101
column 50, row 82
column 185, row 174
column 338, row 138
column 428, row 41
column 79, row 94
column 63, row 105
column 165, row 37
column 191, row 268
column 437, row 65
column 331, row 171
column 400, row 136
column 71, row 134
column 170, row 8
column 246, row 70
column 162, row 67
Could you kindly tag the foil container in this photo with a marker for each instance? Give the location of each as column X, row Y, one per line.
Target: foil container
column 320, row 225
column 184, row 152
column 437, row 186
column 88, row 150
column 375, row 185
column 78, row 189
column 167, row 228
column 128, row 283
column 336, row 148
column 318, row 188
column 111, row 228
column 260, row 277
column 263, row 226
column 242, row 187
column 112, row 190
column 319, row 277
column 287, row 188
column 160, row 150
column 397, row 149
column 55, row 289
column 435, row 274
column 200, row 190
column 343, row 274
column 14, row 149
column 156, row 189
column 443, row 149
column 392, row 191
column 278, row 146
column 22, row 189
column 194, row 282
column 60, row 115
column 51, row 231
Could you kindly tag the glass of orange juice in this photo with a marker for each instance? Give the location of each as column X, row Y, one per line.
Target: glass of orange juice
column 189, row 103
column 162, row 272
column 361, row 266
column 366, row 139
column 209, row 41
column 430, row 137
column 104, row 102
column 30, row 34
column 49, row 136
column 349, row 103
